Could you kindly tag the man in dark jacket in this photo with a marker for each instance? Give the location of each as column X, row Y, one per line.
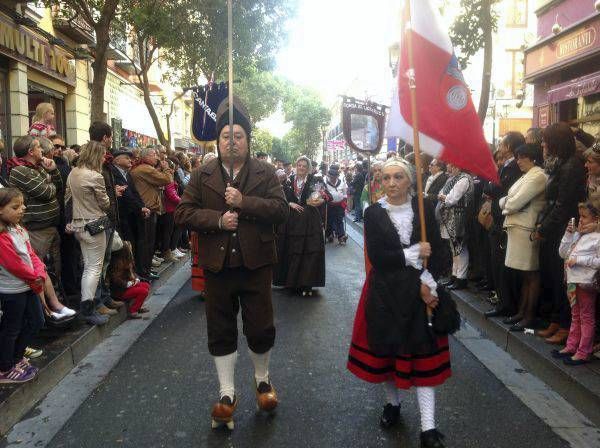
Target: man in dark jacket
column 233, row 202
column 436, row 180
column 132, row 210
column 509, row 173
column 357, row 186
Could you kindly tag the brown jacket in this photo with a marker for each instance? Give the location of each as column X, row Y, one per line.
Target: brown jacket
column 263, row 206
column 148, row 181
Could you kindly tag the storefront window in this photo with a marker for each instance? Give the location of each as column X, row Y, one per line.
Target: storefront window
column 39, row 94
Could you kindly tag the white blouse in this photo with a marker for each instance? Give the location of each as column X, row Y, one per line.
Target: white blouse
column 402, row 218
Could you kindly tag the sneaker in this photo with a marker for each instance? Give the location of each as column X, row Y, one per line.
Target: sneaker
column 183, row 250
column 96, row 318
column 66, row 312
column 169, row 256
column 18, row 375
column 158, row 258
column 31, row 352
column 177, row 254
column 156, row 263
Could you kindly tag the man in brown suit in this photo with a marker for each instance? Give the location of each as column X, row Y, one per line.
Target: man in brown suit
column 234, row 217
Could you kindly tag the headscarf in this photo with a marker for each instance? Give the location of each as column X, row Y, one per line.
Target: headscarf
column 397, row 161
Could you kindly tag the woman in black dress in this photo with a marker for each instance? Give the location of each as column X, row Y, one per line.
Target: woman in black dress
column 301, row 248
column 392, row 342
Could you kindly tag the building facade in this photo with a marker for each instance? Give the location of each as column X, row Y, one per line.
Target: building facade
column 564, row 64
column 44, row 58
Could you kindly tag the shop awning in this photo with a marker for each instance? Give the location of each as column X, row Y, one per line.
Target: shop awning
column 585, row 85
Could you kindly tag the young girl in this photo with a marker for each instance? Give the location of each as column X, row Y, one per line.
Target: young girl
column 581, row 252
column 124, row 284
column 22, row 276
column 42, row 123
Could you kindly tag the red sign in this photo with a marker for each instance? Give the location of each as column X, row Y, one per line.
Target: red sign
column 581, row 42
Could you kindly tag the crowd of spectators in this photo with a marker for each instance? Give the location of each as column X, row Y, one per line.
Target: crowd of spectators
column 82, row 228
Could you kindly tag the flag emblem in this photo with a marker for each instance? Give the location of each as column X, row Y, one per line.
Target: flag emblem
column 457, row 97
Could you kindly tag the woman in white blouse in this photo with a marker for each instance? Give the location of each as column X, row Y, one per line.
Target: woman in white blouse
column 522, row 205
column 392, row 343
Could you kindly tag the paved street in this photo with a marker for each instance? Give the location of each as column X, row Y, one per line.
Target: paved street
column 161, row 392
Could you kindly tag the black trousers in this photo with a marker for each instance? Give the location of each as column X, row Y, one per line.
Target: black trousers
column 554, row 291
column 166, row 231
column 502, row 281
column 144, row 247
column 23, row 318
column 226, row 292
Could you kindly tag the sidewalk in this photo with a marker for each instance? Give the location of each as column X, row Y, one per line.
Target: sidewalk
column 63, row 349
column 580, row 386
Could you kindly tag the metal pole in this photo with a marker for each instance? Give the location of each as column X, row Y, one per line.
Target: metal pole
column 230, row 61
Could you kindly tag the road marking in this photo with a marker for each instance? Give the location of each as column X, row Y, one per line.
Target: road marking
column 54, row 411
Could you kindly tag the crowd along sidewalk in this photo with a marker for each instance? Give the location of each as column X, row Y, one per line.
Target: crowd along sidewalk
column 63, row 349
column 580, row 386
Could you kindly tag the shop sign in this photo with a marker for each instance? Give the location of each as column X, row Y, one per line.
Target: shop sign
column 544, row 116
column 579, row 43
column 23, row 45
column 575, row 88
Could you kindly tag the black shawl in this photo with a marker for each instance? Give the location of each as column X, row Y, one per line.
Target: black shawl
column 396, row 315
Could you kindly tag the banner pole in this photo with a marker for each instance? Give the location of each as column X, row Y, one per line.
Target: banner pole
column 417, row 145
column 230, row 61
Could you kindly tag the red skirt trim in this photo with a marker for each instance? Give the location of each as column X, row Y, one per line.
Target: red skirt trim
column 405, row 370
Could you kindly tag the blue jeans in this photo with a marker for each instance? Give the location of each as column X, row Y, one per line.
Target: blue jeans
column 358, row 212
column 23, row 318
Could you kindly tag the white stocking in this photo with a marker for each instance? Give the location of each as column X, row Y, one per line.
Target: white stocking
column 426, row 398
column 391, row 393
column 226, row 373
column 261, row 366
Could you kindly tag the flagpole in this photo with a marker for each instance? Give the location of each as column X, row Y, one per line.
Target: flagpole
column 230, row 61
column 417, row 145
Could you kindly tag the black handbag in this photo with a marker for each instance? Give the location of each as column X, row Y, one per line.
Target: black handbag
column 446, row 318
column 98, row 225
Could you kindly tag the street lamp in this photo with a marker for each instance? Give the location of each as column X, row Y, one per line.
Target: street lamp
column 394, row 55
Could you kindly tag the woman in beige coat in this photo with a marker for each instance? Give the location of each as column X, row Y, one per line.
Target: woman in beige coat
column 522, row 205
column 85, row 185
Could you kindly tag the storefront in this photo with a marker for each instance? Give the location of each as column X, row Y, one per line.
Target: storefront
column 564, row 70
column 32, row 70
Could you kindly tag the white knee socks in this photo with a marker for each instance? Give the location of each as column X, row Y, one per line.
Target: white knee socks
column 391, row 393
column 426, row 399
column 261, row 365
column 226, row 373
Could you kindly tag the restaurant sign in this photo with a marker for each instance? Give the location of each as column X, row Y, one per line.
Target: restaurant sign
column 581, row 42
column 25, row 46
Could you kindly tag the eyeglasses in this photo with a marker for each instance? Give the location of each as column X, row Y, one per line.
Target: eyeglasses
column 63, row 147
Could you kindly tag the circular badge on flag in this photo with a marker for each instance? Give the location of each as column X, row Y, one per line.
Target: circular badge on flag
column 457, row 97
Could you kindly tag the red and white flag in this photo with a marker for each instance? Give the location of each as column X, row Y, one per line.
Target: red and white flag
column 449, row 127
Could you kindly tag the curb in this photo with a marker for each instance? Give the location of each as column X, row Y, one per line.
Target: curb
column 21, row 398
column 580, row 386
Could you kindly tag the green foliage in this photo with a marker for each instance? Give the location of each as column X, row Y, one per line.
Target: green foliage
column 262, row 141
column 468, row 31
column 197, row 44
column 261, row 92
column 304, row 109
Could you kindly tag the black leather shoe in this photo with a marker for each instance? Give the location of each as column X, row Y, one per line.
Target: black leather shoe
column 459, row 283
column 518, row 327
column 512, row 320
column 556, row 353
column 152, row 276
column 447, row 281
column 390, row 416
column 495, row 313
column 432, row 439
column 484, row 288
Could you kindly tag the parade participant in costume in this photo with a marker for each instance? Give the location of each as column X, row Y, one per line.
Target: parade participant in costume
column 455, row 201
column 336, row 208
column 392, row 342
column 301, row 257
column 234, row 218
column 374, row 186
